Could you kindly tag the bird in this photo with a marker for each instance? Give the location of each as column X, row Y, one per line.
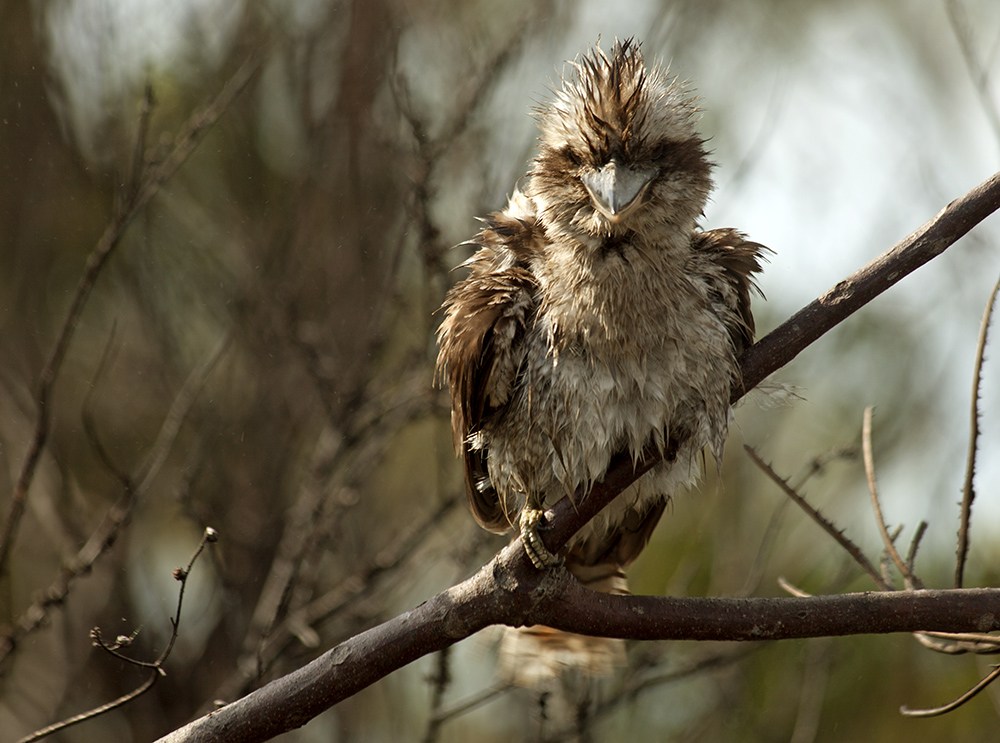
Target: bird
column 596, row 318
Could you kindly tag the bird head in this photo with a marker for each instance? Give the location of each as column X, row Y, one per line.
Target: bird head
column 619, row 151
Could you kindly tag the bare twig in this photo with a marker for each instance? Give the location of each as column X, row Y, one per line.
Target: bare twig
column 968, row 489
column 936, row 711
column 813, row 467
column 911, row 554
column 960, row 643
column 87, row 416
column 786, row 342
column 310, row 518
column 210, row 536
column 792, row 589
column 179, row 408
column 295, row 625
column 133, row 487
column 852, row 549
column 888, row 541
column 818, row 463
column 635, row 687
column 690, row 667
column 133, row 201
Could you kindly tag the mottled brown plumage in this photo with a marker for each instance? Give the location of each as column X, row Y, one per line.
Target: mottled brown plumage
column 597, row 318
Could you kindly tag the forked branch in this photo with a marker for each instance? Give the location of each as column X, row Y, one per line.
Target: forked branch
column 181, row 574
column 509, row 590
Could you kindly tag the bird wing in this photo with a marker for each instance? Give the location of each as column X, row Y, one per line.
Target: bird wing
column 481, row 347
column 736, row 260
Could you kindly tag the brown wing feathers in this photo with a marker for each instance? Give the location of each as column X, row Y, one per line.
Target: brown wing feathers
column 739, row 259
column 485, row 319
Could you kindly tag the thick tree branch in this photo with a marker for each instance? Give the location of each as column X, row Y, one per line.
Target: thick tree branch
column 510, row 591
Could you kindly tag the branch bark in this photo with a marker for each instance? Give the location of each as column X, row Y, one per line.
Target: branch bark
column 509, row 590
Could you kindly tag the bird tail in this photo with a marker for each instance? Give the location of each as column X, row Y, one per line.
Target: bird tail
column 537, row 656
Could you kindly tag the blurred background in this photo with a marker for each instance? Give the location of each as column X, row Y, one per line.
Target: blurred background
column 256, row 354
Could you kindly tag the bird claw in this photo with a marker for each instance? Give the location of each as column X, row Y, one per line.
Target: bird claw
column 529, row 523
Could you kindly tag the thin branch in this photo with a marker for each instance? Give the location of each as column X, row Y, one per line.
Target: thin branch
column 132, row 203
column 106, row 534
column 509, row 590
column 96, row 712
column 909, row 579
column 176, row 415
column 637, row 686
column 346, row 594
column 209, row 537
column 792, row 589
column 968, row 489
column 784, row 343
column 911, row 554
column 318, row 506
column 87, row 416
column 818, row 463
column 869, row 458
column 114, row 648
column 812, row 468
column 690, row 667
column 936, row 711
column 850, row 547
column 959, row 643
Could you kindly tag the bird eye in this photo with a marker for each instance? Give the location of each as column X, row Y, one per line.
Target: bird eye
column 568, row 153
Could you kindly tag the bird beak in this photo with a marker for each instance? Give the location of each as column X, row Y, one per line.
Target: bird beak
column 617, row 190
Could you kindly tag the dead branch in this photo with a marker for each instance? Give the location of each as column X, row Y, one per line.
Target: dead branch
column 951, row 643
column 968, row 488
column 959, row 643
column 635, row 687
column 106, row 534
column 131, row 202
column 471, row 703
column 786, row 342
column 986, row 681
column 508, row 590
column 181, row 574
column 850, row 547
column 889, row 541
column 299, row 623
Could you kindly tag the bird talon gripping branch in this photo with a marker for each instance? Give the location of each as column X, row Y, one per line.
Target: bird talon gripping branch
column 528, row 524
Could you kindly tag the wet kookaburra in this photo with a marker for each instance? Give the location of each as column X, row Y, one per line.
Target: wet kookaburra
column 597, row 317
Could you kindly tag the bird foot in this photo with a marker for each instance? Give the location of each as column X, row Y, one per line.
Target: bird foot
column 529, row 523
